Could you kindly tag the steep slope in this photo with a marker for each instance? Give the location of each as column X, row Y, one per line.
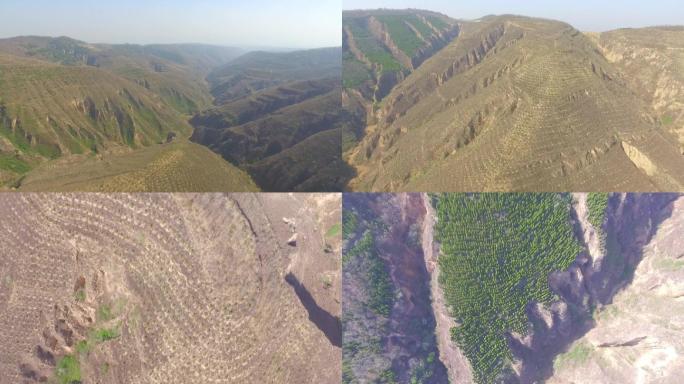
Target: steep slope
column 62, row 98
column 279, row 117
column 637, row 336
column 389, row 328
column 516, row 103
column 652, row 60
column 149, row 288
column 175, row 72
column 258, row 70
column 179, row 166
column 381, row 47
column 516, row 315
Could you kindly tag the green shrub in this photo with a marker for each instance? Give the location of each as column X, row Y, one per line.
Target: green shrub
column 334, row 230
column 497, row 253
column 68, row 370
column 596, row 204
column 102, row 335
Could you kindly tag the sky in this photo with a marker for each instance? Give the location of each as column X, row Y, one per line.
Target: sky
column 243, row 23
column 585, row 15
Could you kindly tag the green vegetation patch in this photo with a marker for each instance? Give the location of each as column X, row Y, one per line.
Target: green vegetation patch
column 80, row 295
column 388, row 376
column 105, row 334
column 104, row 312
column 12, row 163
column 402, row 35
column 497, row 253
column 597, row 203
column 334, row 230
column 354, row 72
column 437, row 22
column 349, row 223
column 667, row 120
column 380, row 289
column 68, row 370
column 577, row 355
column 374, row 51
column 82, row 347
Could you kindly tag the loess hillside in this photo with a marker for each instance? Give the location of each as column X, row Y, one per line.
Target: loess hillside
column 515, row 103
column 162, row 288
column 279, row 117
column 381, row 47
column 62, row 98
column 652, row 60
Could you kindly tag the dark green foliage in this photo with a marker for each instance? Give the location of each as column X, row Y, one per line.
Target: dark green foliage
column 422, row 371
column 597, row 203
column 498, row 251
column 381, row 291
column 388, row 377
column 349, row 222
column 361, row 246
column 347, row 373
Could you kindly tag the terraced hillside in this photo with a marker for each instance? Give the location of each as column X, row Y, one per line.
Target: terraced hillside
column 389, row 328
column 521, row 104
column 179, row 166
column 62, row 98
column 258, row 70
column 165, row 288
column 382, row 47
column 652, row 60
column 279, row 117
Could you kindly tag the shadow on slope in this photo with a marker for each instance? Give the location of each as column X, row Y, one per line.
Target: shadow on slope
column 327, row 323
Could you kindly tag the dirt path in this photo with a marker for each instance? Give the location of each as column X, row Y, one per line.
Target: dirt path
column 456, row 363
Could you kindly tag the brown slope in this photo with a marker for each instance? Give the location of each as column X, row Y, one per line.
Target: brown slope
column 295, row 147
column 380, row 48
column 516, row 104
column 314, row 164
column 652, row 60
column 193, row 284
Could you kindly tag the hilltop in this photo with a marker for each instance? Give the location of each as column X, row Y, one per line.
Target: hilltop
column 512, row 103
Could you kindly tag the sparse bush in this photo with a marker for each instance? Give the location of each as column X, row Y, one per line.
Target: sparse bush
column 68, row 370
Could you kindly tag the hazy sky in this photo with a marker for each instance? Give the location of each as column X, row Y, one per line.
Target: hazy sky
column 586, row 15
column 266, row 23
